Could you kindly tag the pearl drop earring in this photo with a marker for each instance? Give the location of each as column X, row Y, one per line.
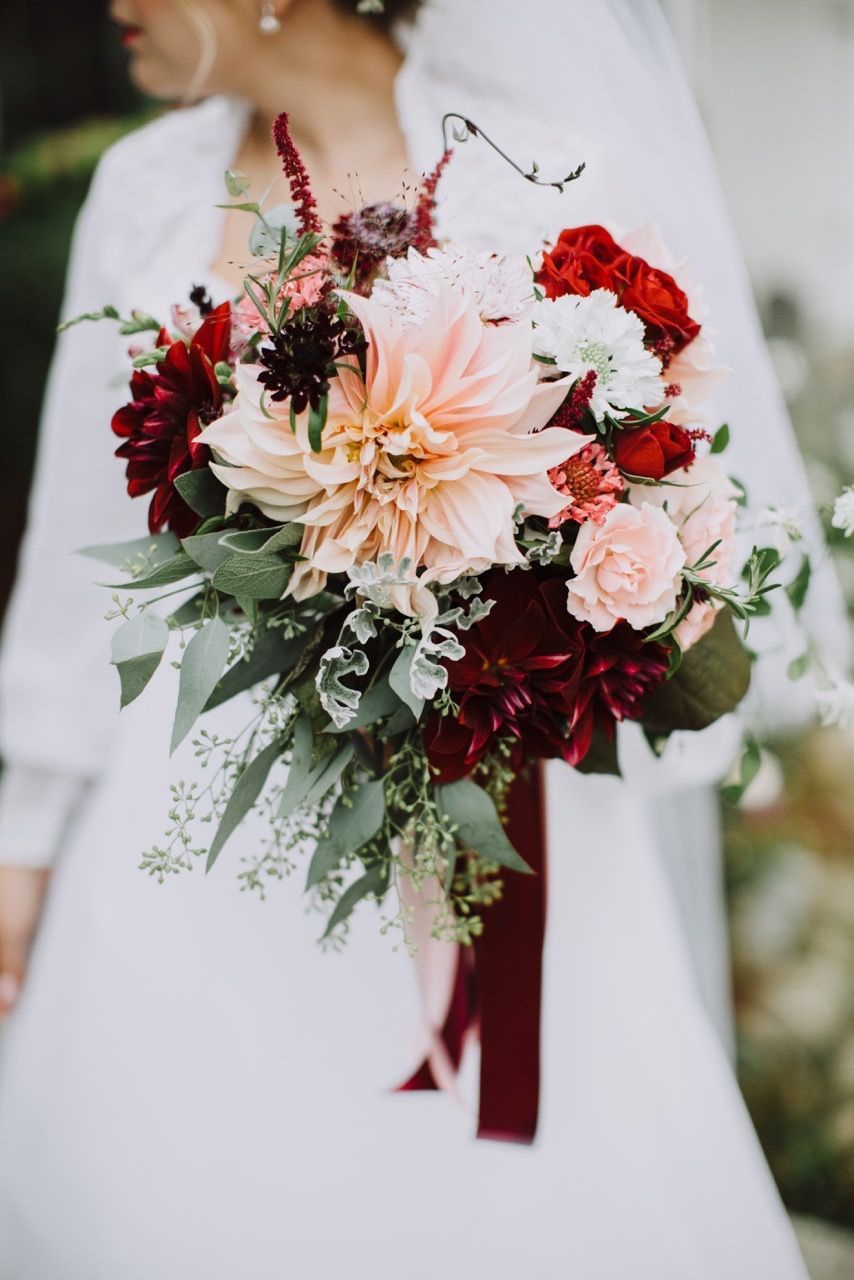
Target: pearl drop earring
column 269, row 23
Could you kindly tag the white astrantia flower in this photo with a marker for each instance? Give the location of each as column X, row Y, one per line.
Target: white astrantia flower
column 581, row 334
column 843, row 511
column 836, row 703
column 786, row 523
column 501, row 285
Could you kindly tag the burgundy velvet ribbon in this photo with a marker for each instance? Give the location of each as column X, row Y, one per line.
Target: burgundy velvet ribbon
column 503, row 994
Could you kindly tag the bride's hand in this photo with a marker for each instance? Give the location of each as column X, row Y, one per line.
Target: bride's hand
column 22, row 891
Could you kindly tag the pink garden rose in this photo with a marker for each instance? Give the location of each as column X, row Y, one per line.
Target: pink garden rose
column 304, row 289
column 701, row 502
column 627, row 568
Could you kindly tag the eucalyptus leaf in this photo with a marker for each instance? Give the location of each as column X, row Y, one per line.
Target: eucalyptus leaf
column 712, row 680
column 375, row 881
column 299, row 772
column 236, row 183
column 479, row 826
column 253, row 577
column 137, row 649
column 356, row 819
column 154, row 549
column 376, row 703
column 173, row 570
column 202, row 665
column 202, row 492
column 247, row 790
column 264, row 541
column 265, row 238
column 272, row 655
column 797, row 589
column 400, row 681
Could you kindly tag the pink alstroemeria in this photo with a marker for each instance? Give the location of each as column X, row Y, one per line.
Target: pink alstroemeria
column 428, row 458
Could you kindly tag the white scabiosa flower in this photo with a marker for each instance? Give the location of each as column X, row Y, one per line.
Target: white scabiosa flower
column 786, row 525
column 843, row 511
column 500, row 285
column 581, row 334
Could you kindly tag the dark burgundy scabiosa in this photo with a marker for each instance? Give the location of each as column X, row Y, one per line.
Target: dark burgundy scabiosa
column 519, row 678
column 301, row 360
column 365, row 238
column 620, row 669
column 169, row 408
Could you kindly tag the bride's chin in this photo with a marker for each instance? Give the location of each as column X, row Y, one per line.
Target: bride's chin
column 153, row 78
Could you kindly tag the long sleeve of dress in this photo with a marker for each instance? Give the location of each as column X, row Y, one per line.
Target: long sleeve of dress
column 58, row 693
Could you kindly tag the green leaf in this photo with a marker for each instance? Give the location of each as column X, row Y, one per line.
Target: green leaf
column 746, row 770
column 374, row 881
column 797, row 589
column 377, row 702
column 721, row 439
column 207, row 550
column 356, row 819
column 156, row 548
column 189, row 614
column 271, row 656
column 173, row 570
column 137, row 648
column 236, row 183
column 399, row 681
column 247, row 790
column 316, row 423
column 202, row 665
column 202, row 492
column 309, row 787
column 106, row 313
column 265, row 541
column 602, row 756
column 139, row 322
column 265, row 238
column 471, row 809
column 253, row 577
column 299, row 771
column 246, row 206
column 798, row 667
column 712, row 679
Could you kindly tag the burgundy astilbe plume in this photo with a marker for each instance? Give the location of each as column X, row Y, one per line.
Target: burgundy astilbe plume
column 425, row 209
column 297, row 175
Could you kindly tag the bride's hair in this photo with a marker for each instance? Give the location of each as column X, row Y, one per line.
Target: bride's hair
column 392, row 11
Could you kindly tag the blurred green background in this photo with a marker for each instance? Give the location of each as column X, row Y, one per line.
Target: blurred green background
column 790, row 845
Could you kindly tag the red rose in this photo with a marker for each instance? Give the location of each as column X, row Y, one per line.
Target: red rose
column 653, row 451
column 581, row 261
column 588, row 258
column 167, row 413
column 661, row 304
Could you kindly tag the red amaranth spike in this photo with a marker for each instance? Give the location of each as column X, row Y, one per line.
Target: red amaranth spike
column 425, row 209
column 574, row 407
column 297, row 175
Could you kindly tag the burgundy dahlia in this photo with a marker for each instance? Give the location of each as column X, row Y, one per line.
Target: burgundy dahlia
column 620, row 669
column 169, row 409
column 519, row 678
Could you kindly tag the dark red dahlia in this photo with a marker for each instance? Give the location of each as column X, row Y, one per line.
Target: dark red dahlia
column 365, row 238
column 620, row 669
column 168, row 411
column 533, row 674
column 519, row 678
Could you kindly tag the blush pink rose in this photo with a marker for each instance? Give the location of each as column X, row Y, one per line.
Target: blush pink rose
column 627, row 568
column 699, row 620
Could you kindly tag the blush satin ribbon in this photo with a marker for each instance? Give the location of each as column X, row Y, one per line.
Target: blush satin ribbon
column 494, row 988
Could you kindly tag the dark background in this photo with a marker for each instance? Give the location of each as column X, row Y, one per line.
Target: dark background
column 64, row 96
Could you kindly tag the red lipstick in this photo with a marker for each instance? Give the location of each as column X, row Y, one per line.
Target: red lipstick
column 128, row 33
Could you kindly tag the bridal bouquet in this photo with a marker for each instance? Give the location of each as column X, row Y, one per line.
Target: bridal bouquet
column 447, row 514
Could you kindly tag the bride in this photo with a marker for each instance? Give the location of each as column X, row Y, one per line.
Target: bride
column 190, row 1088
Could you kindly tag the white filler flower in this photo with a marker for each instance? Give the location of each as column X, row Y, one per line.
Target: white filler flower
column 500, row 284
column 581, row 334
column 836, row 704
column 843, row 511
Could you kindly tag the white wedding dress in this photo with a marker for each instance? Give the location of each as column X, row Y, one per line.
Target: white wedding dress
column 191, row 1089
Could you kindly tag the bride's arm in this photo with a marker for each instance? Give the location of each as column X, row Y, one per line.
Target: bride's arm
column 58, row 693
